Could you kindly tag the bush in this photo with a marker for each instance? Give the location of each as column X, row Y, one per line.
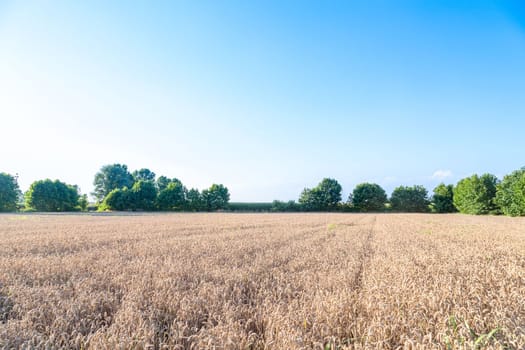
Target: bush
column 251, row 207
column 117, row 199
column 290, row 206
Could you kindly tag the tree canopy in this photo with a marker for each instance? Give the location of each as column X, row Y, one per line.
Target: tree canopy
column 116, row 188
column 510, row 194
column 194, row 200
column 324, row 197
column 143, row 174
column 368, row 197
column 53, row 196
column 143, row 195
column 476, row 194
column 110, row 177
column 172, row 197
column 443, row 199
column 216, row 197
column 410, row 199
column 9, row 192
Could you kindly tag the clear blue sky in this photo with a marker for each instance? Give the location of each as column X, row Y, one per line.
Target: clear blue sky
column 266, row 97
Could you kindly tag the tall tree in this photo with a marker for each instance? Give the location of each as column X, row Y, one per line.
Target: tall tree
column 173, row 197
column 9, row 192
column 143, row 174
column 510, row 195
column 410, row 199
column 330, row 193
column 324, row 197
column 194, row 200
column 443, row 199
column 143, row 195
column 476, row 194
column 47, row 195
column 216, row 197
column 368, row 197
column 310, row 200
column 110, row 177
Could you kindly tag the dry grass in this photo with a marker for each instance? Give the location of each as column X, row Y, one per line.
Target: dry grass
column 265, row 281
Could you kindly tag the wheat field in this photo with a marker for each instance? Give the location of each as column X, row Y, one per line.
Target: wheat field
column 262, row 281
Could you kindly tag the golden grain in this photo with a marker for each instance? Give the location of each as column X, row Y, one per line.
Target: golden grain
column 262, row 281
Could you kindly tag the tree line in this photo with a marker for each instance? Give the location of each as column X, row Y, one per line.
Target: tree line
column 477, row 194
column 116, row 188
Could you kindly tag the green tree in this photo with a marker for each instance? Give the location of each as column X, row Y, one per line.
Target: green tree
column 368, row 197
column 409, row 199
column 172, row 197
column 143, row 195
column 117, row 199
column 143, row 174
column 47, row 195
column 324, row 197
column 216, row 197
column 83, row 202
column 510, row 193
column 9, row 192
column 443, row 199
column 476, row 194
column 330, row 193
column 163, row 182
column 310, row 200
column 194, row 200
column 110, row 177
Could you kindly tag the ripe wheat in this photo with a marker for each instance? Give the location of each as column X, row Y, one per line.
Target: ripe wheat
column 262, row 281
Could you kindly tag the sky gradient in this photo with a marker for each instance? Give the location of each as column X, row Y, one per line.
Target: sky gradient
column 266, row 97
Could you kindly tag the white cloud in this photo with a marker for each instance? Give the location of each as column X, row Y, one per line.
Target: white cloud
column 441, row 174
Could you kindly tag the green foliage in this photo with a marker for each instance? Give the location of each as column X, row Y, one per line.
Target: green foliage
column 216, row 197
column 476, row 194
column 172, row 197
column 143, row 195
column 443, row 199
column 194, row 200
column 409, row 199
column 110, row 177
column 368, row 197
column 9, row 192
column 250, row 207
column 290, row 206
column 143, row 174
column 83, row 202
column 118, row 199
column 324, row 197
column 54, row 196
column 309, row 200
column 510, row 194
column 163, row 182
